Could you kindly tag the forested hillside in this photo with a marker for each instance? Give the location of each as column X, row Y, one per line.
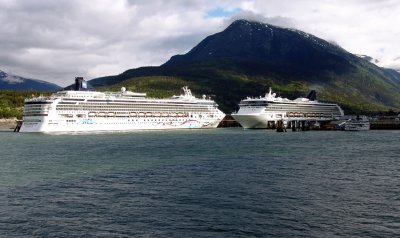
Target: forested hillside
column 12, row 102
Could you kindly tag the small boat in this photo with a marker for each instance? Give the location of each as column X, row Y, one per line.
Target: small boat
column 359, row 124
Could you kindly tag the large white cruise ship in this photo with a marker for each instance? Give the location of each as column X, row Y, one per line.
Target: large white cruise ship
column 71, row 111
column 265, row 112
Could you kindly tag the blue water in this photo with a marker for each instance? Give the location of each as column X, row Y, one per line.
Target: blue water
column 201, row 183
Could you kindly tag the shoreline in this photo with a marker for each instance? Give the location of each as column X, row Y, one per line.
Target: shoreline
column 8, row 123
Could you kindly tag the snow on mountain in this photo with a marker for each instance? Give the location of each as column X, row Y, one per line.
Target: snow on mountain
column 15, row 82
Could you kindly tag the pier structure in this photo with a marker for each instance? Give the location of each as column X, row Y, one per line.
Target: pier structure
column 295, row 125
column 18, row 126
column 300, row 125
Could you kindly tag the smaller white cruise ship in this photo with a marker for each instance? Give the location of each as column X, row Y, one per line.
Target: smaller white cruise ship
column 79, row 110
column 265, row 112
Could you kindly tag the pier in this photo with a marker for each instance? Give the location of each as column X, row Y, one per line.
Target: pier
column 385, row 125
column 8, row 123
column 18, row 126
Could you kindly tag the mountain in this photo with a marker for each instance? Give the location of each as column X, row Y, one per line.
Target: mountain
column 13, row 82
column 266, row 44
column 249, row 57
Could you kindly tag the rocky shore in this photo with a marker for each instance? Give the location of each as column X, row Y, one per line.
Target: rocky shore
column 8, row 123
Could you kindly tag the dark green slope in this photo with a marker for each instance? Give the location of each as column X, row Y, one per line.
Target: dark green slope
column 249, row 57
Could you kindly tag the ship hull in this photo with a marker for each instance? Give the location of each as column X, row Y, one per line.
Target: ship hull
column 114, row 124
column 252, row 121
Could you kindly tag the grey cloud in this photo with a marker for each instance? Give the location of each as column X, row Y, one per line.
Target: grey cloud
column 45, row 39
column 280, row 21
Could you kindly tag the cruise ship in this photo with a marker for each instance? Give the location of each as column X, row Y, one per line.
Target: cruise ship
column 80, row 111
column 265, row 112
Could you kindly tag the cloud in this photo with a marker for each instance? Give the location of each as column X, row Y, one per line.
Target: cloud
column 58, row 40
column 221, row 12
column 359, row 26
column 280, row 21
column 12, row 79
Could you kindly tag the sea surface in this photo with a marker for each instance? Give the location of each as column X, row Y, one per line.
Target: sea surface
column 200, row 183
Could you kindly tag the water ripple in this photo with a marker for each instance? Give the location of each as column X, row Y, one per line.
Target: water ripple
column 214, row 183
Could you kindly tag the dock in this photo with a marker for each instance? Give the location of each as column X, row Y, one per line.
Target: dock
column 385, row 125
column 8, row 123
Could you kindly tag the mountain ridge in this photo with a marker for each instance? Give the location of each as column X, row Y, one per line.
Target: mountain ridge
column 14, row 82
column 248, row 57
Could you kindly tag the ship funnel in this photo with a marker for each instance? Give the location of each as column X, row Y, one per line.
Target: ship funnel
column 80, row 84
column 312, row 95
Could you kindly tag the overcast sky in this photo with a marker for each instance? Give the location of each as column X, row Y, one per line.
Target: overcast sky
column 56, row 40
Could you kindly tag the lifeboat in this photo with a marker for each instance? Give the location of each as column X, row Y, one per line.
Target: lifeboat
column 101, row 114
column 180, row 114
column 132, row 114
column 148, row 114
column 141, row 114
column 92, row 114
column 173, row 114
column 110, row 114
column 164, row 114
column 156, row 114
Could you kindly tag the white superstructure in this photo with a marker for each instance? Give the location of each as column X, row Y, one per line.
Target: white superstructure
column 265, row 111
column 70, row 111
